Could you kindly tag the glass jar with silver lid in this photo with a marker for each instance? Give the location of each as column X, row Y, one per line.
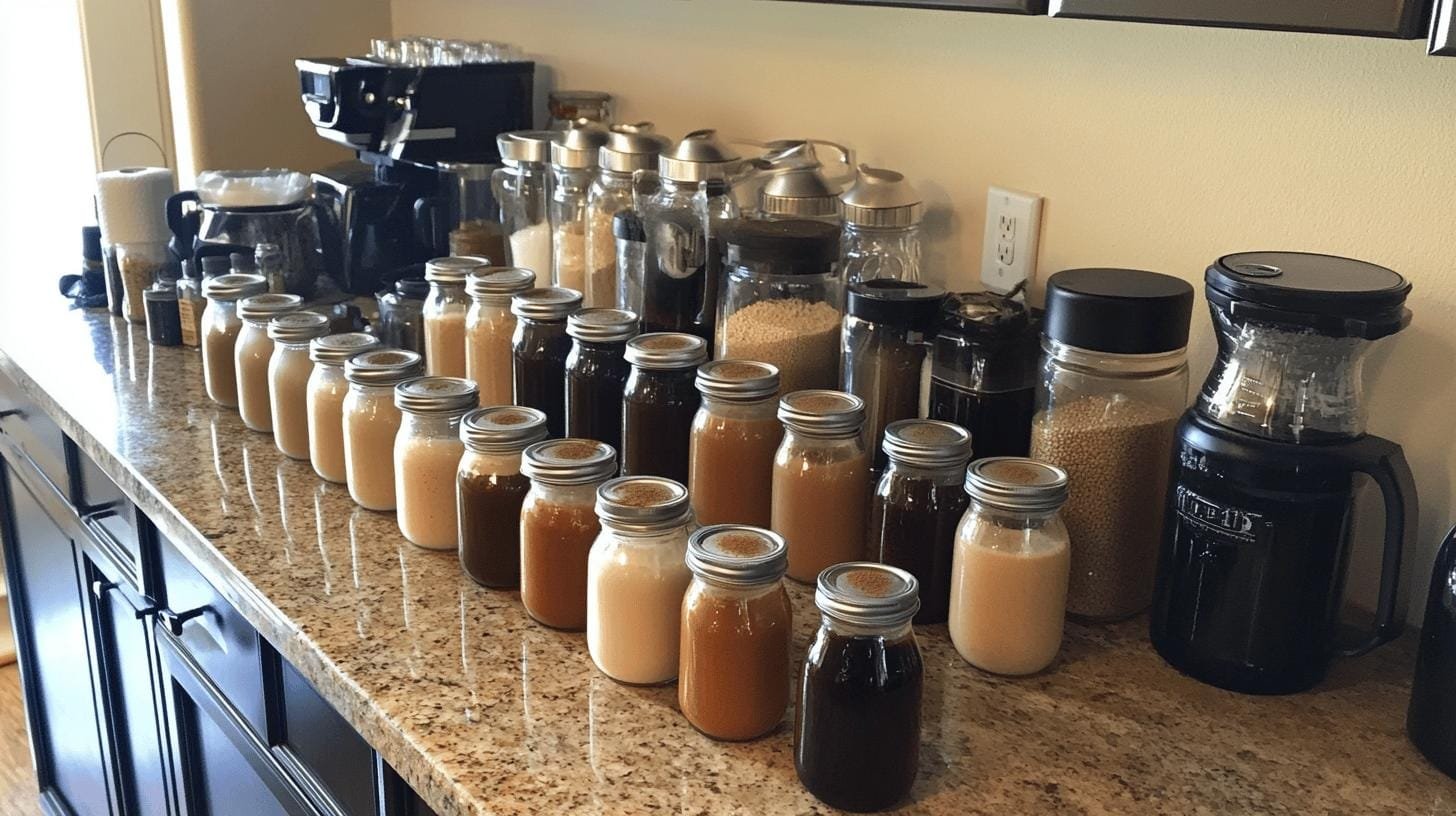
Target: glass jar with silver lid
column 636, row 576
column 326, row 389
column 796, row 185
column 573, row 168
column 251, row 354
column 659, row 402
column 558, row 526
column 491, row 488
column 289, row 370
column 220, row 328
column 444, row 314
column 489, row 326
column 596, row 372
column 539, row 349
column 427, row 453
column 735, row 433
column 372, row 420
column 521, row 186
column 821, row 481
column 881, row 238
column 630, row 153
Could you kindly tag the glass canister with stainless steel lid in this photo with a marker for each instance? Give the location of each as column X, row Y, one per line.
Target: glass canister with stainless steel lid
column 659, row 402
column 882, row 213
column 327, row 388
column 289, row 371
column 469, row 216
column 252, row 352
column 796, row 184
column 596, row 373
column 624, row 161
column 736, row 433
column 521, row 187
column 573, row 168
column 539, row 349
column 558, row 526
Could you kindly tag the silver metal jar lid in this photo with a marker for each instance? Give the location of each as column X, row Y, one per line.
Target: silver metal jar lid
column 803, row 192
column 262, row 308
column 738, row 380
column 578, row 146
column 298, row 327
column 502, row 428
column 385, row 366
column 881, row 198
column 823, row 412
column 643, row 504
column 737, row 555
column 667, row 350
column 525, row 145
column 234, row 286
column 436, row 395
column 569, row 461
column 451, row 269
column 546, row 303
column 1017, row 484
column 868, row 594
column 601, row 325
column 631, row 147
column 700, row 156
column 499, row 282
column 927, row 443
column 336, row 349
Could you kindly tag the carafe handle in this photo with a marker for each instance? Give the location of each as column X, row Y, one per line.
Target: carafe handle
column 1384, row 461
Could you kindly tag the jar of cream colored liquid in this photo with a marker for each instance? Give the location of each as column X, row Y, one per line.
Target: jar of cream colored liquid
column 445, row 315
column 371, row 421
column 558, row 526
column 427, row 454
column 326, row 389
column 220, row 328
column 489, row 326
column 821, row 481
column 288, row 371
column 252, row 353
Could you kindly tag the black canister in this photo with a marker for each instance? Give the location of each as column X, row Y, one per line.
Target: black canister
column 1431, row 721
column 983, row 371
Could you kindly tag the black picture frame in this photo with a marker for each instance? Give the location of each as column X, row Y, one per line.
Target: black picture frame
column 996, row 6
column 1403, row 19
column 1443, row 29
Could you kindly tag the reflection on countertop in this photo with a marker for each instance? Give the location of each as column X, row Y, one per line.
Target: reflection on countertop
column 482, row 711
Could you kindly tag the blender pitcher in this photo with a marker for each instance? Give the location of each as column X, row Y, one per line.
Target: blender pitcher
column 1256, row 537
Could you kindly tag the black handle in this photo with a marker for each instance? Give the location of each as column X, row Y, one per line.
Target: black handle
column 173, row 621
column 100, row 588
column 182, row 220
column 1385, row 463
column 10, row 412
column 426, row 212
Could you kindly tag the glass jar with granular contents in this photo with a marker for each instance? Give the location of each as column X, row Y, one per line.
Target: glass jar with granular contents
column 427, row 454
column 445, row 315
column 735, row 434
column 636, row 577
column 489, row 326
column 596, row 373
column 372, row 420
column 252, row 353
column 737, row 631
column 917, row 504
column 821, row 481
column 539, row 349
column 491, row 488
column 220, row 328
column 521, row 188
column 573, row 167
column 558, row 525
column 629, row 148
column 326, row 389
column 289, row 370
column 659, row 403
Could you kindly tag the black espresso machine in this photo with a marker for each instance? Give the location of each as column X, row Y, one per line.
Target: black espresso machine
column 425, row 136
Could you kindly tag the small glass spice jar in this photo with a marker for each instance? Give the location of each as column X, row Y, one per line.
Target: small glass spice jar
column 252, row 353
column 558, row 526
column 659, row 403
column 596, row 373
column 190, row 304
column 1008, row 594
column 289, row 370
column 821, row 481
column 444, row 315
column 164, row 319
column 402, row 314
column 372, row 420
column 636, row 577
column 327, row 387
column 491, row 488
column 489, row 326
column 735, row 434
column 917, row 505
column 220, row 328
column 857, row 725
column 427, row 454
column 539, row 349
column 737, row 632
column 573, row 168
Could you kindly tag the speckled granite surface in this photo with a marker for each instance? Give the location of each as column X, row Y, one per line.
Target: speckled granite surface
column 484, row 712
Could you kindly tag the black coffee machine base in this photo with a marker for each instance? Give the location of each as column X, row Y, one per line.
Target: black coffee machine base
column 1241, row 679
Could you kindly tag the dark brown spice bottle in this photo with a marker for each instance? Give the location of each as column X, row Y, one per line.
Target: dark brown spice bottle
column 659, row 403
column 490, row 489
column 596, row 373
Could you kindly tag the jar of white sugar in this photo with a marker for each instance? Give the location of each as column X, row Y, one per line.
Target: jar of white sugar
column 521, row 186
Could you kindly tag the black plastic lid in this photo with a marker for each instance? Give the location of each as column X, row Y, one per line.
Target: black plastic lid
column 626, row 225
column 91, row 243
column 793, row 247
column 897, row 303
column 214, row 265
column 417, row 288
column 1333, row 295
column 1119, row 311
column 983, row 316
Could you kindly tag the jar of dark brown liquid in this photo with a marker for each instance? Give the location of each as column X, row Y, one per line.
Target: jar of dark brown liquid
column 490, row 489
column 558, row 525
column 917, row 505
column 538, row 351
column 659, row 403
column 596, row 373
column 735, row 434
column 857, row 726
column 737, row 628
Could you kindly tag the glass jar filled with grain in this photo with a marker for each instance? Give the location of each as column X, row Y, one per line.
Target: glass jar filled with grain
column 573, row 168
column 445, row 314
column 735, row 435
column 821, row 481
column 1114, row 381
column 558, row 525
column 489, row 326
column 372, row 420
column 427, row 452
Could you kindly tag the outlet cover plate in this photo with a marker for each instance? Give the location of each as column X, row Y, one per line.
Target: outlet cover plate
column 1013, row 231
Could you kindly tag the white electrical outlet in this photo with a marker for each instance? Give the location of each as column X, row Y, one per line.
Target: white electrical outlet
column 1013, row 230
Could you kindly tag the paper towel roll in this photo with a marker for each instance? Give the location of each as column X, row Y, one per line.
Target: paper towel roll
column 131, row 204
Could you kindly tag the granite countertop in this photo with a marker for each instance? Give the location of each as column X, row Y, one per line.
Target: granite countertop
column 482, row 711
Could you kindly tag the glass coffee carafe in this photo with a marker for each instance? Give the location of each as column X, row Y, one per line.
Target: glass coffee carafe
column 1256, row 539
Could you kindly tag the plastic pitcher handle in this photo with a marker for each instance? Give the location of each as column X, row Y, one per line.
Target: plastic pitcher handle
column 425, row 223
column 184, row 220
column 1384, row 461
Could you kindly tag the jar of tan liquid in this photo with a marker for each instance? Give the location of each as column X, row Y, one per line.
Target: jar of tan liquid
column 636, row 577
column 735, row 434
column 252, row 353
column 445, row 314
column 489, row 326
column 372, row 420
column 558, row 525
column 326, row 389
column 737, row 630
column 1008, row 595
column 288, row 371
column 821, row 481
column 220, row 328
column 427, row 454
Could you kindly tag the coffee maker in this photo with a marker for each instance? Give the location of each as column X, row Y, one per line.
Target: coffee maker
column 413, row 127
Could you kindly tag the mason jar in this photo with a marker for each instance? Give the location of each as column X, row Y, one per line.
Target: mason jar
column 882, row 213
column 596, row 373
column 251, row 354
column 490, row 489
column 735, row 434
column 220, row 328
column 372, row 420
column 630, row 149
column 444, row 315
column 401, row 322
column 821, row 481
column 659, row 403
column 520, row 187
column 489, row 326
column 558, row 526
column 539, row 348
column 327, row 387
column 427, row 453
column 289, row 370
column 573, row 168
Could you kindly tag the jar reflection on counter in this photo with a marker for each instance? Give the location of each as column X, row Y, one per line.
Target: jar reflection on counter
column 326, row 390
column 659, row 404
column 737, row 632
column 596, row 373
column 821, row 481
column 489, row 326
column 558, row 525
column 444, row 315
column 289, row 370
column 735, row 434
column 220, row 328
column 491, row 488
column 427, row 454
column 371, row 422
column 636, row 577
column 539, row 349
column 401, row 321
column 252, row 354
column 984, row 370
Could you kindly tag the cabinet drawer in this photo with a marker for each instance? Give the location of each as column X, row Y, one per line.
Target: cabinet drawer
column 39, row 437
column 108, row 515
column 331, row 754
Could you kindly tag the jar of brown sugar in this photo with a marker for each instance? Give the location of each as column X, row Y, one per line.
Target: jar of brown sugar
column 372, row 420
column 491, row 488
column 735, row 434
column 659, row 403
column 427, row 454
column 326, row 389
column 288, row 372
column 252, row 353
column 558, row 525
column 489, row 325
